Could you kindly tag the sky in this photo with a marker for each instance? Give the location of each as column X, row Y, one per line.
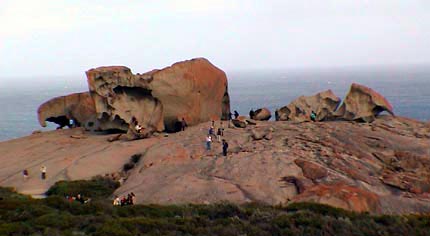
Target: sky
column 68, row 37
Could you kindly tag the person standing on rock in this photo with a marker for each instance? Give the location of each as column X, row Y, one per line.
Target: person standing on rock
column 313, row 116
column 208, row 142
column 251, row 114
column 236, row 114
column 219, row 134
column 183, row 124
column 230, row 116
column 25, row 174
column 224, row 147
column 43, row 172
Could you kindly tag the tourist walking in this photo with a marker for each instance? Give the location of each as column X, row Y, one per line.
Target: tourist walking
column 219, row 134
column 25, row 174
column 43, row 172
column 183, row 124
column 224, row 147
column 208, row 142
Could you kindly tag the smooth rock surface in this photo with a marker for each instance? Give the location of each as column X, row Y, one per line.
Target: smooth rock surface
column 380, row 167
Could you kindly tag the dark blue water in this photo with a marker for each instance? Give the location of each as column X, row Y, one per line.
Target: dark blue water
column 408, row 90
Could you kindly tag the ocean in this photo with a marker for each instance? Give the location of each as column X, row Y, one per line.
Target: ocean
column 406, row 88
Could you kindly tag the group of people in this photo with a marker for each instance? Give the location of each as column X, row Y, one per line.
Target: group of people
column 220, row 133
column 26, row 174
column 230, row 115
column 129, row 200
column 78, row 198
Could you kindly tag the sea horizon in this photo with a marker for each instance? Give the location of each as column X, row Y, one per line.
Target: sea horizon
column 406, row 88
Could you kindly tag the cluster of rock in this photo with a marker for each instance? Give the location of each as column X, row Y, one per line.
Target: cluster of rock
column 194, row 90
column 361, row 104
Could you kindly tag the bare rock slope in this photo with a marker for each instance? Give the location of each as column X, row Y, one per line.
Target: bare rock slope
column 380, row 167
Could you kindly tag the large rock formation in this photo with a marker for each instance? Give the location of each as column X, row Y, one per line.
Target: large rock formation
column 363, row 104
column 323, row 104
column 195, row 90
column 78, row 106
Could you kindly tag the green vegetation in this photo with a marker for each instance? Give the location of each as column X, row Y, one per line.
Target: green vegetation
column 98, row 187
column 132, row 162
column 21, row 215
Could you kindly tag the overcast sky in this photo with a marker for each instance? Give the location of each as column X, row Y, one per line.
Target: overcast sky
column 59, row 37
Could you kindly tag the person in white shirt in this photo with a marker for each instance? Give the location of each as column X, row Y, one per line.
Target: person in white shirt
column 208, row 142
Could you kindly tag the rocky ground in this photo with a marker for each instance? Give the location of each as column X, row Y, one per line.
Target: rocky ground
column 381, row 167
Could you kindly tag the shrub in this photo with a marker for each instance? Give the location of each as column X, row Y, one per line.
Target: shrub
column 128, row 166
column 136, row 158
column 97, row 187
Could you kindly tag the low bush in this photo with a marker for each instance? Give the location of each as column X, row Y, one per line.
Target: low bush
column 21, row 215
column 98, row 187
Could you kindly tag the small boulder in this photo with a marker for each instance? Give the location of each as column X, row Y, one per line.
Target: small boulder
column 240, row 122
column 262, row 114
column 257, row 134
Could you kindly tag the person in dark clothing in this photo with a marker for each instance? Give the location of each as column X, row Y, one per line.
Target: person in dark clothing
column 224, row 147
column 43, row 172
column 183, row 124
column 236, row 114
column 230, row 116
column 251, row 114
column 25, row 174
column 219, row 134
column 80, row 199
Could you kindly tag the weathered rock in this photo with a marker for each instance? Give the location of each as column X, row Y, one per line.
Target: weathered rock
column 262, row 114
column 323, row 104
column 363, row 104
column 240, row 122
column 311, row 170
column 257, row 134
column 342, row 196
column 195, row 90
column 78, row 106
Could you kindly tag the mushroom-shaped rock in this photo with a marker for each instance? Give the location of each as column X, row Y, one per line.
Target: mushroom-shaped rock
column 323, row 104
column 262, row 114
column 363, row 104
column 194, row 90
column 78, row 106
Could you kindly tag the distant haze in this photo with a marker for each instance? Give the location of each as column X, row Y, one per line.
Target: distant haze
column 59, row 37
